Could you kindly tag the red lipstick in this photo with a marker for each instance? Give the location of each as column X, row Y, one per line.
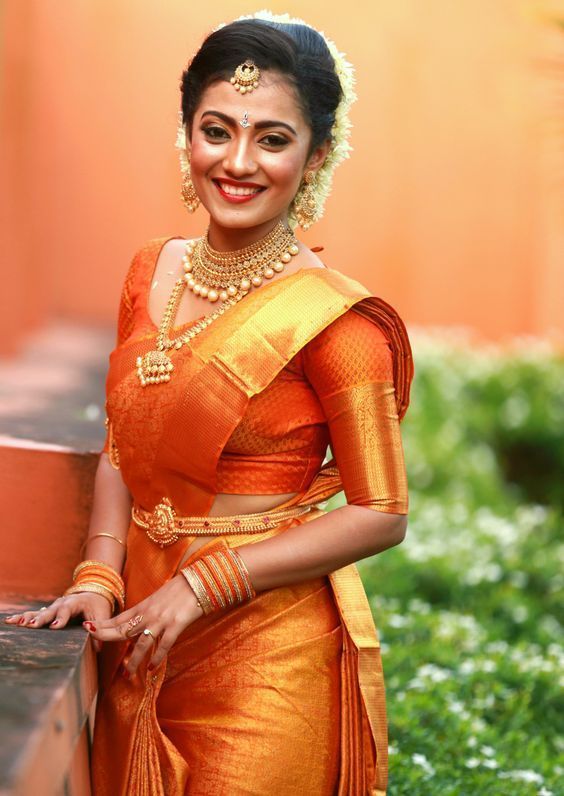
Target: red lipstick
column 237, row 198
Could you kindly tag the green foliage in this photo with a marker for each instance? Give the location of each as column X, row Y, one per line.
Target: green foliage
column 469, row 607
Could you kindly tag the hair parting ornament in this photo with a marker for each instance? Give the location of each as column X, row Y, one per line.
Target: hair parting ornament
column 340, row 133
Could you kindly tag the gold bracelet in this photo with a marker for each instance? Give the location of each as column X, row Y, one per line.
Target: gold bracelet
column 113, row 574
column 199, row 590
column 102, row 533
column 95, row 588
column 99, row 579
column 243, row 571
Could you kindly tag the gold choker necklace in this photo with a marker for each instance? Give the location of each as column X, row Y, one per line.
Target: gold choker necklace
column 218, row 275
column 214, row 275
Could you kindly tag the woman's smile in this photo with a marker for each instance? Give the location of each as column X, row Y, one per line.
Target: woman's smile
column 247, row 175
column 236, row 191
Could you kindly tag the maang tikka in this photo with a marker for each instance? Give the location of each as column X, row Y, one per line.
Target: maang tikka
column 246, row 77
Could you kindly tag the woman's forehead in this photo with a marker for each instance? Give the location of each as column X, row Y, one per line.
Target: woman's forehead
column 274, row 99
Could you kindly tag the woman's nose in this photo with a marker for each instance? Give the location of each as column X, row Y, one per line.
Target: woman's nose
column 239, row 160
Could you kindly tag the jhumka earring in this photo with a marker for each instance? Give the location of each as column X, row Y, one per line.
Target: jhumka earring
column 305, row 203
column 189, row 196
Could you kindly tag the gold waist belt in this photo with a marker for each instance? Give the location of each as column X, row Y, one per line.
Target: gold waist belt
column 165, row 527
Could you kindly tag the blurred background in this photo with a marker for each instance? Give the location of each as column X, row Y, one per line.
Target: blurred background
column 451, row 208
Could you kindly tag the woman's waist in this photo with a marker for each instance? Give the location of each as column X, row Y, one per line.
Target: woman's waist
column 164, row 524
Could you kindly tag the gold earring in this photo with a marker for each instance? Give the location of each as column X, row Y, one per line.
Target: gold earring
column 305, row 203
column 190, row 198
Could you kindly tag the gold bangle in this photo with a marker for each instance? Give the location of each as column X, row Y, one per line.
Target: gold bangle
column 226, row 588
column 243, row 571
column 95, row 588
column 102, row 533
column 99, row 580
column 91, row 562
column 112, row 572
column 205, row 572
column 199, row 590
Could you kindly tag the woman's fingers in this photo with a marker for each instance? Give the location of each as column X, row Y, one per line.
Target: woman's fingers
column 144, row 645
column 34, row 618
column 64, row 613
column 43, row 617
column 116, row 628
column 161, row 650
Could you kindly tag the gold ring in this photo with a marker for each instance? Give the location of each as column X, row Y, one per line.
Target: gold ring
column 135, row 621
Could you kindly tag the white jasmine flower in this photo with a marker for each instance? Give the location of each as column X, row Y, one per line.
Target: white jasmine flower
column 523, row 775
column 421, row 760
column 397, row 620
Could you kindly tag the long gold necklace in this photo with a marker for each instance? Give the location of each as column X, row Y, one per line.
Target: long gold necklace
column 214, row 275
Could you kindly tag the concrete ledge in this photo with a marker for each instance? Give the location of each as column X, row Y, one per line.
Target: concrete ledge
column 48, row 686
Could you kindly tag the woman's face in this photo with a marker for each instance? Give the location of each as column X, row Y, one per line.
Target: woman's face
column 249, row 152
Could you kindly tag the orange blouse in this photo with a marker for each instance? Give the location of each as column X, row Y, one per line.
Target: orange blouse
column 338, row 390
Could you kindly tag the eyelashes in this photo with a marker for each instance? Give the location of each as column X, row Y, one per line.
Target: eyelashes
column 218, row 134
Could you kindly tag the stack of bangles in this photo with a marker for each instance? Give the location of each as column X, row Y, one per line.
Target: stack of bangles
column 219, row 579
column 100, row 578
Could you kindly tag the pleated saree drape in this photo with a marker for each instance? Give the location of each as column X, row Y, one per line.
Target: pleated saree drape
column 284, row 694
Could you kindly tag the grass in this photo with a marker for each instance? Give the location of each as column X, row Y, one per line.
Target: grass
column 469, row 608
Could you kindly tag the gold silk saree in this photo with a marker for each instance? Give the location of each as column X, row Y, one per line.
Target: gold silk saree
column 287, row 691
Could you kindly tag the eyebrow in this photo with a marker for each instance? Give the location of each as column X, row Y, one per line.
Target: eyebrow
column 258, row 125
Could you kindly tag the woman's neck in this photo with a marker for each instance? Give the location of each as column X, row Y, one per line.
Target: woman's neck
column 225, row 239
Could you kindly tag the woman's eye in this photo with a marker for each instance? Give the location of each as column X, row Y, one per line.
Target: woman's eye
column 215, row 132
column 274, row 140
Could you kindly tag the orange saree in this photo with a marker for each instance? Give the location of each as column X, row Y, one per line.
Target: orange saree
column 284, row 693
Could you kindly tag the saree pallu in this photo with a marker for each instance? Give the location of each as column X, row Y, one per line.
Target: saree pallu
column 295, row 675
column 256, row 700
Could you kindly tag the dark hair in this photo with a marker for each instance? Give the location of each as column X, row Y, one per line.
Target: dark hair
column 296, row 51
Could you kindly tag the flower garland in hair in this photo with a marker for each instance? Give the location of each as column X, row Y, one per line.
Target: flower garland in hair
column 340, row 133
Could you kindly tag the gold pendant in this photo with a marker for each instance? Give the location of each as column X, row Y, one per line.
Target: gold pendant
column 154, row 367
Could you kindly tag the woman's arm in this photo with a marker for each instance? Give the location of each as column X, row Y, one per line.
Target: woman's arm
column 111, row 512
column 322, row 545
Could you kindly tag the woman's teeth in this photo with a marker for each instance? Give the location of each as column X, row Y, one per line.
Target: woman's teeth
column 236, row 191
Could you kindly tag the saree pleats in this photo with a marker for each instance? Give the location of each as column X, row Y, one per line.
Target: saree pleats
column 259, row 699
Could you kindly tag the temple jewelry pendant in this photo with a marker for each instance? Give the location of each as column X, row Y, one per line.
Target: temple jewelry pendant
column 154, row 368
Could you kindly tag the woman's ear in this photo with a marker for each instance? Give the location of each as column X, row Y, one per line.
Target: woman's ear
column 317, row 158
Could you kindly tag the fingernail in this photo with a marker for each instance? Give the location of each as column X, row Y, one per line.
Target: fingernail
column 124, row 672
column 151, row 666
column 21, row 621
column 32, row 621
column 89, row 626
column 54, row 622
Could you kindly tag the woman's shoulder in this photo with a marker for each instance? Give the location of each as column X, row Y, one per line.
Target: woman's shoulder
column 151, row 248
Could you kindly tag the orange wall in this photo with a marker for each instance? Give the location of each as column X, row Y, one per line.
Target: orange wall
column 447, row 208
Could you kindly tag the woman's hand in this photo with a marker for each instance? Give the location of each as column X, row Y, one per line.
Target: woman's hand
column 91, row 606
column 166, row 613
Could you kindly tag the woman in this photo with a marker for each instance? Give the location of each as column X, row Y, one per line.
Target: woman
column 243, row 658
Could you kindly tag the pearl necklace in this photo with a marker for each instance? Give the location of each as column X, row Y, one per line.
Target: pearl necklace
column 218, row 275
column 214, row 275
